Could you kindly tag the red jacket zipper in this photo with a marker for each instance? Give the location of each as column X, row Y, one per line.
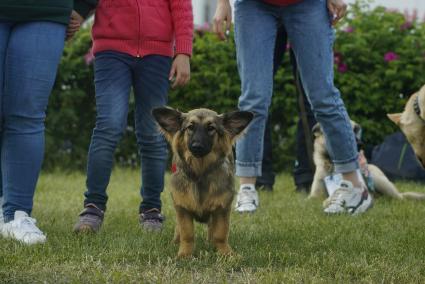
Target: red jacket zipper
column 138, row 35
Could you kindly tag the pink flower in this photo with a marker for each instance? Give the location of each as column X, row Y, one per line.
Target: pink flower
column 390, row 56
column 337, row 58
column 406, row 25
column 205, row 27
column 288, row 46
column 89, row 57
column 348, row 29
column 342, row 68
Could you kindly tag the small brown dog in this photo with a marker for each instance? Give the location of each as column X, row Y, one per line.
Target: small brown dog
column 412, row 122
column 203, row 182
column 324, row 167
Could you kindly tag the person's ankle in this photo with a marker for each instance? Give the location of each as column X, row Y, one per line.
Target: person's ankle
column 355, row 178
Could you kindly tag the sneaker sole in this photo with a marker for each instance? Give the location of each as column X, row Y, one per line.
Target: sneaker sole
column 85, row 229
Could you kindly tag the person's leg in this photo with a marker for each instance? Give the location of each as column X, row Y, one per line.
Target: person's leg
column 311, row 35
column 304, row 166
column 112, row 85
column 5, row 29
column 255, row 33
column 112, row 78
column 29, row 74
column 151, row 86
column 30, row 71
column 267, row 178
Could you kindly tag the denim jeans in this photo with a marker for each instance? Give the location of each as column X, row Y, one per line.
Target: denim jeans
column 115, row 74
column 29, row 56
column 311, row 36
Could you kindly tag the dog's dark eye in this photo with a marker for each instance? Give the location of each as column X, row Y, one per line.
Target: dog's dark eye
column 191, row 127
column 210, row 128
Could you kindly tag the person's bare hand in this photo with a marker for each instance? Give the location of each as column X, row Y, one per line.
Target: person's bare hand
column 337, row 9
column 223, row 15
column 74, row 24
column 180, row 70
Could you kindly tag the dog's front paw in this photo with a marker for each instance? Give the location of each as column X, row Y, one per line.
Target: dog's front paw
column 183, row 254
column 225, row 249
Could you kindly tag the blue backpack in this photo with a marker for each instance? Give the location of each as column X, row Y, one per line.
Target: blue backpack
column 395, row 157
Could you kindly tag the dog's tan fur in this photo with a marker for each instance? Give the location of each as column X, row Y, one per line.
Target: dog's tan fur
column 324, row 167
column 412, row 125
column 202, row 188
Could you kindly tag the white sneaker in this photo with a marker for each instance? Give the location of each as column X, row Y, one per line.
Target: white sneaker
column 349, row 199
column 247, row 199
column 23, row 229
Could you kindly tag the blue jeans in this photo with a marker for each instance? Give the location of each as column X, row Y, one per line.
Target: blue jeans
column 311, row 36
column 29, row 56
column 115, row 74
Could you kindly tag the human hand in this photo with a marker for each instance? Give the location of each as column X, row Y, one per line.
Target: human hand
column 180, row 70
column 223, row 14
column 337, row 9
column 74, row 24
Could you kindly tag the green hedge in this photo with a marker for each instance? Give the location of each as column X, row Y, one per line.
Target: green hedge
column 379, row 62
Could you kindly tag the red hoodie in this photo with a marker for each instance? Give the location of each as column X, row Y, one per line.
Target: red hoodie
column 143, row 27
column 281, row 2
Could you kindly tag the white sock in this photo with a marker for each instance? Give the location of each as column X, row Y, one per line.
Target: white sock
column 247, row 186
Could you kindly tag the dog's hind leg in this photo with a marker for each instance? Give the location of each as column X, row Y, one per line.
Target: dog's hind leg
column 413, row 195
column 382, row 184
column 218, row 231
column 385, row 186
column 186, row 232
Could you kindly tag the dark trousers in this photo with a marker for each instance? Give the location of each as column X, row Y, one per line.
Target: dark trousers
column 303, row 170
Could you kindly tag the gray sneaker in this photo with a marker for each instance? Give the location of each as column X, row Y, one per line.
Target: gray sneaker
column 90, row 219
column 151, row 220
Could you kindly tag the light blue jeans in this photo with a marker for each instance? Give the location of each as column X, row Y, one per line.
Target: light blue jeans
column 311, row 36
column 29, row 56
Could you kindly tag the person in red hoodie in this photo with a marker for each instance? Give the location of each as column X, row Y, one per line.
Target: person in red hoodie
column 139, row 45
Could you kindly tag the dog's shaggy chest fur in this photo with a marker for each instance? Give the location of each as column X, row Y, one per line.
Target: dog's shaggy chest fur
column 204, row 196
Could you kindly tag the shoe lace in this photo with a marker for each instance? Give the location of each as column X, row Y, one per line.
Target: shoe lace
column 338, row 198
column 28, row 225
column 246, row 197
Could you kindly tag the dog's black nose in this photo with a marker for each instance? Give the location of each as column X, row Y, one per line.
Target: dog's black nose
column 198, row 150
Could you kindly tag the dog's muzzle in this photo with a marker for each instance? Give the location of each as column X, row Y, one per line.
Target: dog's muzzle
column 198, row 150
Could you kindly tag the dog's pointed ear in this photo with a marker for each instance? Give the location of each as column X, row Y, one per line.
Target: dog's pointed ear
column 394, row 117
column 236, row 121
column 317, row 130
column 169, row 119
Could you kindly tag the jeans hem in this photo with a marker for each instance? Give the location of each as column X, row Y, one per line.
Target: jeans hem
column 347, row 167
column 250, row 169
column 101, row 206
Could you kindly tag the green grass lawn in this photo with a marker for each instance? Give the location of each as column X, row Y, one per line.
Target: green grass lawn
column 289, row 239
